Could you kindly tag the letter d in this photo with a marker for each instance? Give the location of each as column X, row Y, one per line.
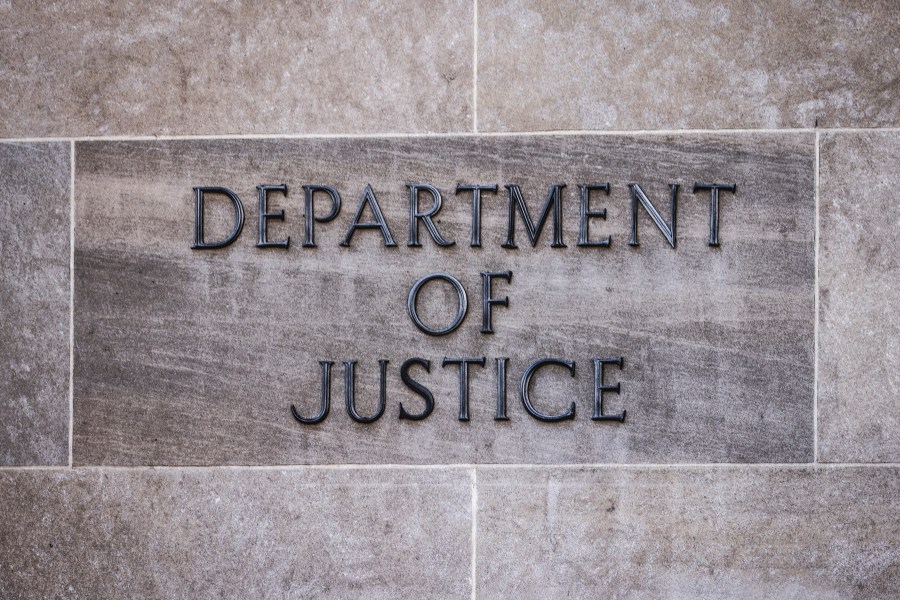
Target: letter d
column 199, row 192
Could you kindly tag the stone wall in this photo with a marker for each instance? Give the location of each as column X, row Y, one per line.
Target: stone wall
column 147, row 447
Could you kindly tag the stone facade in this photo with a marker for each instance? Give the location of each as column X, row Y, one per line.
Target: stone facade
column 147, row 443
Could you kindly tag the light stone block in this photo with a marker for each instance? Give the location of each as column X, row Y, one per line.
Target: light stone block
column 859, row 297
column 35, row 289
column 82, row 68
column 688, row 532
column 695, row 64
column 236, row 533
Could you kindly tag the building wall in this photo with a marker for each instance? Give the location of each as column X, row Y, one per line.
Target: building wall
column 120, row 477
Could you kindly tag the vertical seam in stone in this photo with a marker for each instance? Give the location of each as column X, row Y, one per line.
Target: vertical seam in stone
column 475, row 66
column 71, row 295
column 474, row 532
column 816, row 320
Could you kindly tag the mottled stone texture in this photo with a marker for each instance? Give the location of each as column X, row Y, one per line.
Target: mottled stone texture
column 859, row 295
column 34, row 304
column 199, row 67
column 226, row 533
column 194, row 357
column 550, row 64
column 761, row 532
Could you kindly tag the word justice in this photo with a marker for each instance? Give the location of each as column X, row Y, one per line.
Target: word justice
column 463, row 364
column 516, row 205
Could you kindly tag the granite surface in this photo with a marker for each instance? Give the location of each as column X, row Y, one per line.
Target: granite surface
column 859, row 296
column 699, row 64
column 688, row 532
column 34, row 303
column 194, row 357
column 236, row 533
column 729, row 477
column 78, row 67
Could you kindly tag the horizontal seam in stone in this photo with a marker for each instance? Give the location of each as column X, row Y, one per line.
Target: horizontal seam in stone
column 459, row 134
column 460, row 467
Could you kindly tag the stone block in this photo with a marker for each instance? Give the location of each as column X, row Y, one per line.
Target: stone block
column 699, row 64
column 195, row 357
column 35, row 291
column 81, row 68
column 237, row 533
column 688, row 532
column 859, row 295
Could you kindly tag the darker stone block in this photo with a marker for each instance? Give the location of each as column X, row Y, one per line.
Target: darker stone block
column 195, row 357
